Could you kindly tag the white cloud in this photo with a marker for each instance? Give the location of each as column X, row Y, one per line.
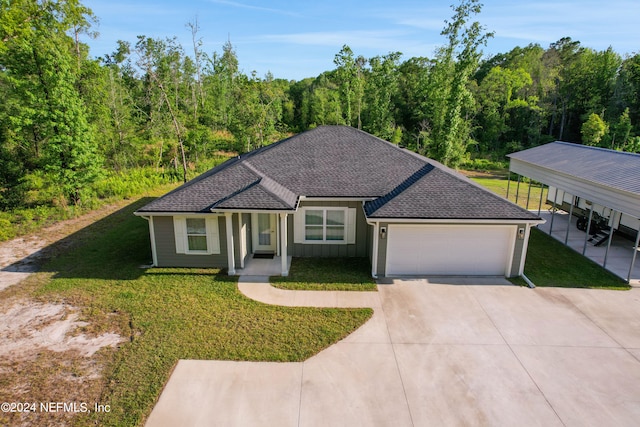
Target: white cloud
column 252, row 7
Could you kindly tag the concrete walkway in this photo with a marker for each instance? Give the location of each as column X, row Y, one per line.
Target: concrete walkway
column 434, row 354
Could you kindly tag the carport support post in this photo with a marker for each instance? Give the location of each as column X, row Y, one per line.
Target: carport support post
column 508, row 184
column 553, row 210
column 586, row 234
column 541, row 193
column 528, row 195
column 633, row 258
column 573, row 202
column 518, row 189
column 606, row 252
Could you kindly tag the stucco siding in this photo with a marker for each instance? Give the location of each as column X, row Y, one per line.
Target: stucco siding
column 166, row 247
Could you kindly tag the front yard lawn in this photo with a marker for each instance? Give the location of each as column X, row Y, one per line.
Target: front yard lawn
column 328, row 274
column 550, row 263
column 165, row 315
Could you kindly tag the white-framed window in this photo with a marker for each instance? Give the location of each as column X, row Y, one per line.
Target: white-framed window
column 196, row 235
column 325, row 225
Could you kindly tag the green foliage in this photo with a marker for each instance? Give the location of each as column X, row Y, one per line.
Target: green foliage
column 593, row 130
column 483, row 165
column 66, row 119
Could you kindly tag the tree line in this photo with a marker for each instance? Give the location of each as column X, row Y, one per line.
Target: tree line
column 69, row 119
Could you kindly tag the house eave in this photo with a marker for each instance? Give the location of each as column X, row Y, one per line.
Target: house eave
column 457, row 220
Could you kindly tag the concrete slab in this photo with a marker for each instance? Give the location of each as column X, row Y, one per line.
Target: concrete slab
column 616, row 313
column 259, row 289
column 470, row 385
column 541, row 316
column 418, row 312
column 341, row 389
column 223, row 393
column 374, row 331
column 435, row 354
column 586, row 386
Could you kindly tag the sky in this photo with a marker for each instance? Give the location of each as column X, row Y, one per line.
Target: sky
column 298, row 39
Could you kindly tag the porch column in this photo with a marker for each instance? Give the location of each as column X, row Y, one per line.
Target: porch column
column 283, row 245
column 633, row 258
column 374, row 255
column 231, row 261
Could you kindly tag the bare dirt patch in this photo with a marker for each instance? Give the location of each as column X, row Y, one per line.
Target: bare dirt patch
column 29, row 326
column 49, row 350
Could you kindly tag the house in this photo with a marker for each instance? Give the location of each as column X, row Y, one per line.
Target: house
column 335, row 191
column 594, row 185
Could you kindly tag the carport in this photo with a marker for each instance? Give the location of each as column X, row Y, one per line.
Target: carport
column 600, row 187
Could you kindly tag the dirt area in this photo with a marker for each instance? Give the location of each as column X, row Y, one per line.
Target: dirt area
column 29, row 326
column 45, row 352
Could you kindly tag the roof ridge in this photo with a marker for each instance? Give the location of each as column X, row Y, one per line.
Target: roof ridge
column 397, row 190
column 234, row 194
column 269, row 184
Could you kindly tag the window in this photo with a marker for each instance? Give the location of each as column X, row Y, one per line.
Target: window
column 196, row 235
column 324, row 225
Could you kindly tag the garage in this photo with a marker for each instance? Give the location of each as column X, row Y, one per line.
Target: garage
column 425, row 249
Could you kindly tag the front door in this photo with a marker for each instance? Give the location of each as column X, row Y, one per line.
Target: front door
column 264, row 232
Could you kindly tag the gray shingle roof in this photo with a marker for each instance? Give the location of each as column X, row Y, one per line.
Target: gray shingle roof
column 338, row 161
column 611, row 168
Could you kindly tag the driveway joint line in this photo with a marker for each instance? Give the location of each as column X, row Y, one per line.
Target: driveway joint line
column 395, row 359
column 518, row 359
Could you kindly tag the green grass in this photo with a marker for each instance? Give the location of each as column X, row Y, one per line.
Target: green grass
column 498, row 184
column 172, row 314
column 334, row 274
column 550, row 263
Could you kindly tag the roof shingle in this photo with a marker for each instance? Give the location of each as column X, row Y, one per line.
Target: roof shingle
column 340, row 162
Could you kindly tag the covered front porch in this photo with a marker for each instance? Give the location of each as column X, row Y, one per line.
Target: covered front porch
column 257, row 243
column 260, row 266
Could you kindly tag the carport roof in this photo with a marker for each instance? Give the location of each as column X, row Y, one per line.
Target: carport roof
column 609, row 168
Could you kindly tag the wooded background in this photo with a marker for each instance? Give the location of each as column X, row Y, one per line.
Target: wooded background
column 71, row 124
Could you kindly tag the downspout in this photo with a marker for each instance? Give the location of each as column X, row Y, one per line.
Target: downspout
column 152, row 235
column 527, row 281
column 374, row 249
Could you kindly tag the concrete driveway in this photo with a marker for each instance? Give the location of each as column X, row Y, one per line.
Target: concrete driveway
column 436, row 354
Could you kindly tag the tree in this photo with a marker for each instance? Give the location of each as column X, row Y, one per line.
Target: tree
column 380, row 94
column 48, row 114
column 451, row 101
column 593, row 130
column 350, row 79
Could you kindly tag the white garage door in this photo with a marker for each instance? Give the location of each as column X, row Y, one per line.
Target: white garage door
column 449, row 250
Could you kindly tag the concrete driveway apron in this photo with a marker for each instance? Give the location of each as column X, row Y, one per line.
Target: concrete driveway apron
column 436, row 351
